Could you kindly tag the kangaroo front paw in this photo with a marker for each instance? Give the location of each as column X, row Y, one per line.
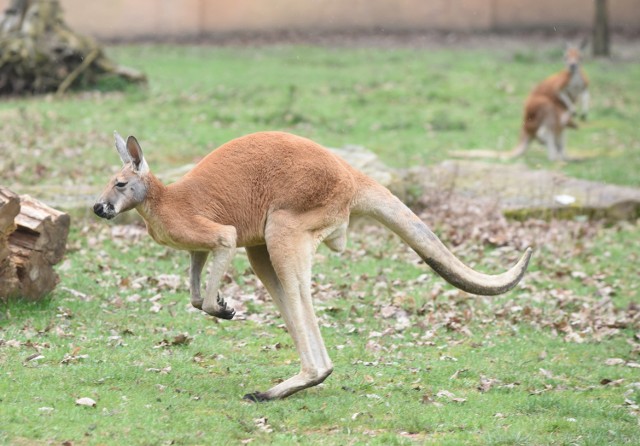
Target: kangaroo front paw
column 219, row 309
column 197, row 303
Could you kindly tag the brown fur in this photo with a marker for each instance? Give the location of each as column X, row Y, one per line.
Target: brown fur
column 279, row 196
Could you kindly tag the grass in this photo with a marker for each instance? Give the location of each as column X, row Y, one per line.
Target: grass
column 408, row 105
column 111, row 330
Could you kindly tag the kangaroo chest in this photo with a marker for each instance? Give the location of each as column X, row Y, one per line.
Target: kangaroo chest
column 159, row 231
column 575, row 86
column 160, row 236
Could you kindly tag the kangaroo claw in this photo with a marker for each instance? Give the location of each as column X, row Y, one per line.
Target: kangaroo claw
column 222, row 311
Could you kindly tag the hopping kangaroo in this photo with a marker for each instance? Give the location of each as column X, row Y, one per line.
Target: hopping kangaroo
column 551, row 106
column 279, row 196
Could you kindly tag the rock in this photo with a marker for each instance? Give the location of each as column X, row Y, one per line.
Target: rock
column 521, row 192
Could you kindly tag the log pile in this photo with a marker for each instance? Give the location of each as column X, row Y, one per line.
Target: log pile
column 33, row 238
column 39, row 53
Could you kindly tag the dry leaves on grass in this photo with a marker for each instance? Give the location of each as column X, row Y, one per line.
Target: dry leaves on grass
column 468, row 227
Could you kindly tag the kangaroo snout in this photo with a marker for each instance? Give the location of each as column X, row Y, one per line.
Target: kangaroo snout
column 104, row 210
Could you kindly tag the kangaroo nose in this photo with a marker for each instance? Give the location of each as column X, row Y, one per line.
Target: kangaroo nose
column 98, row 209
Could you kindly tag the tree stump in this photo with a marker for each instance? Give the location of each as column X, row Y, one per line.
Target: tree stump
column 33, row 238
column 39, row 53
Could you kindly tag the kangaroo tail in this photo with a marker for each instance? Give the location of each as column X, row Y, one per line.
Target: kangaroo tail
column 377, row 202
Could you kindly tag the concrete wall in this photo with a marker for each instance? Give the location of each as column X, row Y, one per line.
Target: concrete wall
column 126, row 19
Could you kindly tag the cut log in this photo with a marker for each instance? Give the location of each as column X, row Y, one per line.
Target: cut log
column 9, row 209
column 34, row 241
column 36, row 275
column 41, row 228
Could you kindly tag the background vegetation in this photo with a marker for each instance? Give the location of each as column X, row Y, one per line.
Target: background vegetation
column 554, row 362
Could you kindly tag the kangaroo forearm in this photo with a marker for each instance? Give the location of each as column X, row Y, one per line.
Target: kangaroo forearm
column 566, row 100
column 198, row 260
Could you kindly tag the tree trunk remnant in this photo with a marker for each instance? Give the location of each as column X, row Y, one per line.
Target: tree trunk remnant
column 601, row 30
column 39, row 53
column 33, row 238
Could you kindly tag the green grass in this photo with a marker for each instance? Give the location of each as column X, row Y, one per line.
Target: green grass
column 98, row 337
column 408, row 105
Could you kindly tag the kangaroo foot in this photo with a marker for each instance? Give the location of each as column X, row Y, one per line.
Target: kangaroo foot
column 219, row 309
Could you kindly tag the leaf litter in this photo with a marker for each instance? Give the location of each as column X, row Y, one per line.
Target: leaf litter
column 479, row 235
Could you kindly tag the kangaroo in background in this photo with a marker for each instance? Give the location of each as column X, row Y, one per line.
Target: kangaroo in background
column 279, row 196
column 552, row 104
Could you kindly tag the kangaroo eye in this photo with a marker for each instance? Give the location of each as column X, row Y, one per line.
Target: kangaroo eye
column 121, row 183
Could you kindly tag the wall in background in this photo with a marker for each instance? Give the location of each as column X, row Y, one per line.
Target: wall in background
column 130, row 19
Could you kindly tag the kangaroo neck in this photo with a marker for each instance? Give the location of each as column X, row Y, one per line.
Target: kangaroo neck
column 156, row 192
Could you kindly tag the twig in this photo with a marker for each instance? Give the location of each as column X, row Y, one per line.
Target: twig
column 88, row 60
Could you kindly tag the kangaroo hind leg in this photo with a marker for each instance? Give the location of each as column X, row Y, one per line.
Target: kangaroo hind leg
column 285, row 270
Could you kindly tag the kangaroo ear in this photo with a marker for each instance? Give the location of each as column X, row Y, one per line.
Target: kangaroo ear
column 136, row 156
column 583, row 43
column 121, row 147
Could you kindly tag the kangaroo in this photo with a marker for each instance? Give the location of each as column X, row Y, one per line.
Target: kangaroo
column 551, row 106
column 279, row 196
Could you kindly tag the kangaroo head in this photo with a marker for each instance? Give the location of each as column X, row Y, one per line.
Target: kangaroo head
column 573, row 54
column 129, row 187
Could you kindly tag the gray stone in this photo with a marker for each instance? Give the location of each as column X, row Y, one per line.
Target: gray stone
column 521, row 192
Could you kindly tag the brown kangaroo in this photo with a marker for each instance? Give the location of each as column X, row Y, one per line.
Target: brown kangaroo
column 279, row 196
column 551, row 106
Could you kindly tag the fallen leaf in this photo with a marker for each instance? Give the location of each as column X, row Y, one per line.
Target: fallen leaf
column 163, row 371
column 388, row 311
column 614, row 361
column 427, row 398
column 85, row 402
column 261, row 423
column 445, row 394
column 169, row 281
column 486, row 383
column 546, row 373
column 611, row 382
column 457, row 373
column 181, row 339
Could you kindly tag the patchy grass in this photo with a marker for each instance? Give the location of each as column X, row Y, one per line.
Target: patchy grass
column 408, row 105
column 554, row 362
column 415, row 360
